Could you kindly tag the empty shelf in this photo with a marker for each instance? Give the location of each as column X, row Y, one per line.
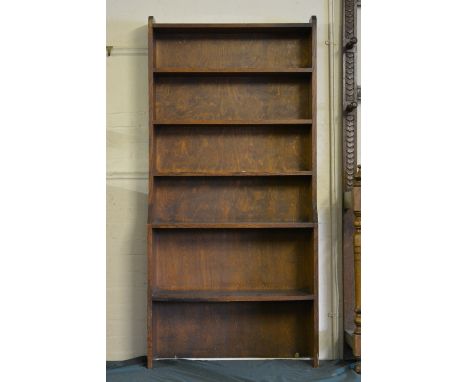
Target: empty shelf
column 236, row 173
column 235, row 225
column 231, row 71
column 232, row 296
column 234, row 122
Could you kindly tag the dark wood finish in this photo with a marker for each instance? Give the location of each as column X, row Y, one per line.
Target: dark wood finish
column 248, row 149
column 233, row 259
column 230, row 199
column 349, row 93
column 231, row 98
column 357, row 265
column 233, row 48
column 234, row 122
column 232, row 219
column 233, row 329
column 228, row 173
column 351, row 107
column 350, row 44
column 231, row 296
column 241, row 26
column 149, row 230
column 314, row 340
column 252, row 225
column 353, row 263
column 351, row 100
column 232, row 71
column 348, row 271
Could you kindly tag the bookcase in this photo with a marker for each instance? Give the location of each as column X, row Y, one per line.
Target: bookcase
column 232, row 206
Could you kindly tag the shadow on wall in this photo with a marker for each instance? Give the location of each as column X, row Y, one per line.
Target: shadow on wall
column 127, row 158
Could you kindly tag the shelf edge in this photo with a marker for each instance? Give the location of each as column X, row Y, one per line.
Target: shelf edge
column 235, row 122
column 201, row 296
column 233, row 225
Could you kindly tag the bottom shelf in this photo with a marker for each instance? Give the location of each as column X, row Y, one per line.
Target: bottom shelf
column 234, row 330
column 234, row 296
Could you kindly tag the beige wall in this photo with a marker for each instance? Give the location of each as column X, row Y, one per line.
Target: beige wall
column 127, row 150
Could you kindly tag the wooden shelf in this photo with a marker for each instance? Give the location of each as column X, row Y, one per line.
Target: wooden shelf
column 252, row 225
column 234, row 122
column 231, row 296
column 233, row 26
column 232, row 71
column 241, row 173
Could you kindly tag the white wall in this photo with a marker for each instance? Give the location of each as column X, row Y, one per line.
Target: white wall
column 127, row 150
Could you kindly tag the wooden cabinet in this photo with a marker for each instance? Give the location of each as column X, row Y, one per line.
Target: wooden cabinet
column 232, row 210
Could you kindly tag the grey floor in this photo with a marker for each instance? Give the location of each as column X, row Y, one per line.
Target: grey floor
column 235, row 371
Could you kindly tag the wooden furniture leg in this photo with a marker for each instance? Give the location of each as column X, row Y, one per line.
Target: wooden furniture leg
column 357, row 265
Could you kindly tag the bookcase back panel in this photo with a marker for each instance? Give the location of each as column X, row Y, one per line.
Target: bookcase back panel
column 232, row 98
column 232, row 259
column 232, row 48
column 232, row 148
column 235, row 329
column 232, row 199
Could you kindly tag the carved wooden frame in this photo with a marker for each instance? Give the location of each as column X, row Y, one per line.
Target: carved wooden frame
column 351, row 172
column 350, row 92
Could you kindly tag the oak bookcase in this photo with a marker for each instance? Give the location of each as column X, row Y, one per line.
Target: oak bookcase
column 232, row 216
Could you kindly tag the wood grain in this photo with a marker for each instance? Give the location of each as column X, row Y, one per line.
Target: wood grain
column 313, row 133
column 357, row 263
column 238, row 48
column 149, row 235
column 232, row 199
column 233, row 122
column 230, row 225
column 231, row 296
column 232, row 71
column 233, row 231
column 268, row 149
column 236, row 98
column 235, row 329
column 232, row 173
column 233, row 259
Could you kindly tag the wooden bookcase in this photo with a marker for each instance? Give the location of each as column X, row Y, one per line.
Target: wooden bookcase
column 232, row 216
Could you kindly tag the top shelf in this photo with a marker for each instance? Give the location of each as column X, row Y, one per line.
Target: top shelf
column 233, row 26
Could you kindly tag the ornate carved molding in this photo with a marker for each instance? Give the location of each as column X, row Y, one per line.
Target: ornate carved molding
column 350, row 96
column 351, row 184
